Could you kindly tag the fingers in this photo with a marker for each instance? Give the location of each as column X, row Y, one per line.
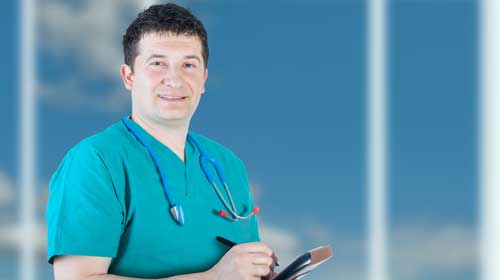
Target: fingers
column 255, row 247
column 261, row 259
column 263, row 264
column 254, row 259
column 259, row 247
column 275, row 258
column 257, row 264
column 260, row 270
column 273, row 266
column 269, row 276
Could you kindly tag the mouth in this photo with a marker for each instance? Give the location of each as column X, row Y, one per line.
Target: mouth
column 171, row 97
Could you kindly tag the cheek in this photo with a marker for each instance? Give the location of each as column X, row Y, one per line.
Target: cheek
column 196, row 83
column 155, row 77
column 144, row 85
column 151, row 78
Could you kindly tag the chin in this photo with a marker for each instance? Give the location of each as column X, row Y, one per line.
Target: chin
column 171, row 118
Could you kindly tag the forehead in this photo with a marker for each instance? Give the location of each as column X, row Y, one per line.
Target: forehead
column 165, row 43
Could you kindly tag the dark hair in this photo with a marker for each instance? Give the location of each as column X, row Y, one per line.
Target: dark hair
column 164, row 18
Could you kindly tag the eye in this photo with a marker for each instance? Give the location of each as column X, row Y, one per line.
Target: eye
column 189, row 65
column 156, row 63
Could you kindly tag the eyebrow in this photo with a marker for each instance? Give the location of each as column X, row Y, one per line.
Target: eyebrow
column 155, row 56
column 193, row 57
column 164, row 56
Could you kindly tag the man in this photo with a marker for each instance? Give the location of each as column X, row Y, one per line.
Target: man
column 111, row 213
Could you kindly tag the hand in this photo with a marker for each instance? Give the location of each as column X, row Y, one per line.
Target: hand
column 246, row 261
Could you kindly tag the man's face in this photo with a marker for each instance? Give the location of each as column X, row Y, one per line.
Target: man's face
column 168, row 78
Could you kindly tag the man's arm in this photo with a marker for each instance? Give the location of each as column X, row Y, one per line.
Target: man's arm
column 95, row 268
column 249, row 261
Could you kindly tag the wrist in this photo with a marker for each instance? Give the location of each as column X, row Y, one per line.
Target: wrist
column 205, row 275
column 210, row 274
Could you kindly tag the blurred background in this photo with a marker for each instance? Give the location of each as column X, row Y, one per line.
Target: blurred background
column 288, row 93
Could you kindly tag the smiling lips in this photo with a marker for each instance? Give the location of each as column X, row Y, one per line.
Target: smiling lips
column 172, row 97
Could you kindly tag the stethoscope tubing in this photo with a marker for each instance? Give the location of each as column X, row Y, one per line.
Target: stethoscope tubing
column 176, row 210
column 171, row 200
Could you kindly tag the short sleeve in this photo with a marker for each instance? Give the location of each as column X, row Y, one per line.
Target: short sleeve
column 84, row 215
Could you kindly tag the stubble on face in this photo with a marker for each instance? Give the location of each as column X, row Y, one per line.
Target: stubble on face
column 169, row 78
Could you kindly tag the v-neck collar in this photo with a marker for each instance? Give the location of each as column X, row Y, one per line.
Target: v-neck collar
column 159, row 146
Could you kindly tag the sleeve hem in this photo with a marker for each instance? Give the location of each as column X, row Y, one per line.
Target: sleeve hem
column 51, row 256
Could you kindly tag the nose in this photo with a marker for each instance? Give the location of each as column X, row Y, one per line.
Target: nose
column 171, row 78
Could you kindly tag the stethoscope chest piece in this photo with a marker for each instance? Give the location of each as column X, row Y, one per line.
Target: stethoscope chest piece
column 177, row 214
column 176, row 210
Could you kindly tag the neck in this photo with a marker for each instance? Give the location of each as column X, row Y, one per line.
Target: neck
column 174, row 137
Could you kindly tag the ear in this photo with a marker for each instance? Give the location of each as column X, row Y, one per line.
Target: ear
column 127, row 76
column 205, row 77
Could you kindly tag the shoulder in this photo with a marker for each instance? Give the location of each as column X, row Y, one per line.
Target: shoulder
column 110, row 142
column 92, row 162
column 97, row 149
column 108, row 139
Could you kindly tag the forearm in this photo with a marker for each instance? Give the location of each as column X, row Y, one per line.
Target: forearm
column 192, row 276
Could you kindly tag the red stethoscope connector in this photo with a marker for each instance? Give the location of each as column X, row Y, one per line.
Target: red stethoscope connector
column 224, row 215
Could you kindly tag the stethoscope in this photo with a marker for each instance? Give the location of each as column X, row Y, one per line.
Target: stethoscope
column 176, row 209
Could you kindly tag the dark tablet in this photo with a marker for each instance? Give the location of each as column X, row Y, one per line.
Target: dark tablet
column 304, row 263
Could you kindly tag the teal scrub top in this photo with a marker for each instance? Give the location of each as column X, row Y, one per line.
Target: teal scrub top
column 106, row 199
